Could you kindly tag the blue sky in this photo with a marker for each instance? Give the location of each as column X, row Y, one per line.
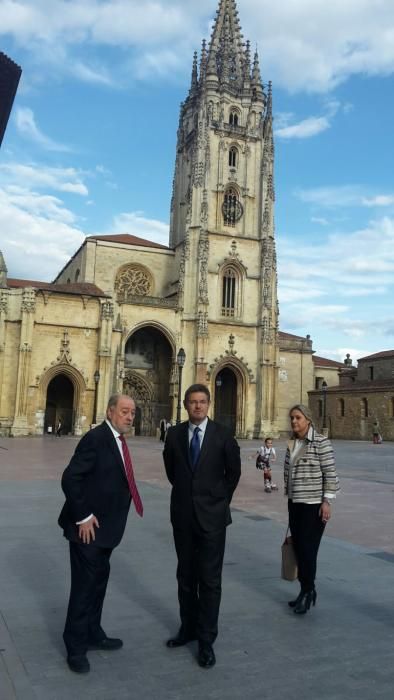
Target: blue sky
column 90, row 145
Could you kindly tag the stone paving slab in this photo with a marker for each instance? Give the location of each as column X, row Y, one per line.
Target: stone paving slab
column 343, row 648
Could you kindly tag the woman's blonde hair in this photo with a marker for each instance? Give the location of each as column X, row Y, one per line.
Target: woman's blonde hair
column 305, row 410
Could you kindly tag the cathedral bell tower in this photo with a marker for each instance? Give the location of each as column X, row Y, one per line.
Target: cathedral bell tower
column 222, row 225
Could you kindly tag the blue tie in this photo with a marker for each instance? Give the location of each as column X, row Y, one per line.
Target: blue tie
column 195, row 447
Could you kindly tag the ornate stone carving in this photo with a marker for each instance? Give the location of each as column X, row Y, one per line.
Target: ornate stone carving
column 134, row 385
column 64, row 354
column 28, row 300
column 204, row 208
column 133, row 280
column 198, row 174
column 107, row 310
column 182, row 263
column 3, row 302
column 203, row 252
column 202, row 329
column 231, row 342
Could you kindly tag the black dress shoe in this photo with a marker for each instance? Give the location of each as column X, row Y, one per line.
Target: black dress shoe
column 206, row 655
column 180, row 640
column 78, row 664
column 106, row 644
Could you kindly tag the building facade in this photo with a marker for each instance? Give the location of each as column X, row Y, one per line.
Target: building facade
column 118, row 314
column 365, row 394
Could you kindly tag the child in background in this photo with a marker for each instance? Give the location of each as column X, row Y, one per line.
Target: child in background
column 265, row 456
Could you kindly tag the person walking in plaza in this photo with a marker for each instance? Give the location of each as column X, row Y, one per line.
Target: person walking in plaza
column 311, row 483
column 265, row 455
column 202, row 462
column 376, row 436
column 163, row 427
column 99, row 485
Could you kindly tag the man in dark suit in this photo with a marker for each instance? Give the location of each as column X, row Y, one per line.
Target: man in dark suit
column 202, row 461
column 99, row 485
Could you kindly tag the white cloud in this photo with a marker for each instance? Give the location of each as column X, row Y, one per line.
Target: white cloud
column 353, row 267
column 136, row 224
column 26, row 125
column 319, row 220
column 38, row 235
column 88, row 74
column 304, row 129
column 39, row 176
column 310, row 45
column 344, row 196
column 380, row 200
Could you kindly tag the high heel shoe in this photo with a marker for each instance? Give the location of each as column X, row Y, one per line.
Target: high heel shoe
column 305, row 602
column 293, row 603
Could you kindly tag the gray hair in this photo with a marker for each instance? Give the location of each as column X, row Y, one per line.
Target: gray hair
column 305, row 410
column 114, row 398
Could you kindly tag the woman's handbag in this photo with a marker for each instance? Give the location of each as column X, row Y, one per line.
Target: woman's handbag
column 289, row 561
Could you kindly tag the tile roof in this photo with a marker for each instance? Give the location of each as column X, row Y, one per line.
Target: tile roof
column 378, row 355
column 290, row 336
column 72, row 288
column 326, row 362
column 127, row 239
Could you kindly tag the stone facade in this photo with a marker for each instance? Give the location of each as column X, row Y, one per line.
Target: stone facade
column 118, row 313
column 363, row 395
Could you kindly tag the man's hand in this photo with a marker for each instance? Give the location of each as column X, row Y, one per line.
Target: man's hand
column 86, row 530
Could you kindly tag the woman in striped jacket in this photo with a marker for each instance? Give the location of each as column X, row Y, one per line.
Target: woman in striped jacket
column 311, row 484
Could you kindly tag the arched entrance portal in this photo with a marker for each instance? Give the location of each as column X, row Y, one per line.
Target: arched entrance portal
column 59, row 405
column 147, row 361
column 226, row 399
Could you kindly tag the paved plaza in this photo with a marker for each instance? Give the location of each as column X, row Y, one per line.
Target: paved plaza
column 342, row 649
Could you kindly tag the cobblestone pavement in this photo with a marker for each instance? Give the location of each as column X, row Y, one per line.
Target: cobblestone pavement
column 342, row 649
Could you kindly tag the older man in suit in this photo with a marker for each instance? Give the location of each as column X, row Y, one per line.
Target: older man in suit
column 202, row 461
column 99, row 486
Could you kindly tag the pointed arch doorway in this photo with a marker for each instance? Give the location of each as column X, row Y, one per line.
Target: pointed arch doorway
column 147, row 363
column 226, row 398
column 59, row 405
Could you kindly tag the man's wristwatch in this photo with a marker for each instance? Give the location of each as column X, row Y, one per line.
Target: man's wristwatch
column 327, row 500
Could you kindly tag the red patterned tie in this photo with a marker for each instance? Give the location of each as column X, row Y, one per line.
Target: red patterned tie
column 130, row 477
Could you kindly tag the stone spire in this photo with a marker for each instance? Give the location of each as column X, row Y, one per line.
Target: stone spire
column 194, row 80
column 226, row 54
column 203, row 60
column 3, row 272
column 256, row 76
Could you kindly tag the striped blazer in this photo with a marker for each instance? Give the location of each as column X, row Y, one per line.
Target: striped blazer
column 313, row 476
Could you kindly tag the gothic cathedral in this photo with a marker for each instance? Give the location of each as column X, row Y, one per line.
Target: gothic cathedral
column 125, row 313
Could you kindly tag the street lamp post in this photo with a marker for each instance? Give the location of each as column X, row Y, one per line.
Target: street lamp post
column 218, row 383
column 96, row 378
column 180, row 360
column 324, row 389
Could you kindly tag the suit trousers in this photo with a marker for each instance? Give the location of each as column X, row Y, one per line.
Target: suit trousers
column 199, row 574
column 90, row 569
column 307, row 528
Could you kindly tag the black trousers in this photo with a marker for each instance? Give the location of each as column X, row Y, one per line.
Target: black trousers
column 89, row 577
column 199, row 574
column 307, row 528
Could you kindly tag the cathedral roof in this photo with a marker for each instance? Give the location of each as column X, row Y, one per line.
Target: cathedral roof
column 326, row 362
column 378, row 355
column 127, row 239
column 72, row 288
column 291, row 336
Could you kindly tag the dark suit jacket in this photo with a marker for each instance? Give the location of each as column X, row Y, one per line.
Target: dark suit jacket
column 95, row 482
column 208, row 488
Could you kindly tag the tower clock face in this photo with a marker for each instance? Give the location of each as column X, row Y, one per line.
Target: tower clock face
column 232, row 209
